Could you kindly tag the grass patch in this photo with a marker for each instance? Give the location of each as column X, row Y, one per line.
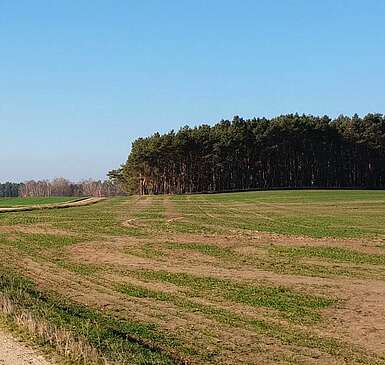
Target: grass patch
column 331, row 253
column 146, row 250
column 118, row 340
column 11, row 202
column 140, row 292
column 78, row 268
column 86, row 221
column 209, row 250
column 34, row 243
column 294, row 305
column 285, row 335
column 314, row 213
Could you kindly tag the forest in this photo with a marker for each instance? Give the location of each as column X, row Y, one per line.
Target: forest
column 9, row 190
column 288, row 151
column 60, row 187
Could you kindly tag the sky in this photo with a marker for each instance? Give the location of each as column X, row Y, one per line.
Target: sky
column 80, row 80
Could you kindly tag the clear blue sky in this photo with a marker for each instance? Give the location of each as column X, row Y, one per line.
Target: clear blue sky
column 81, row 79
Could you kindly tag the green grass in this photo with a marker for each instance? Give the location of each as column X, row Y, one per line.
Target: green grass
column 284, row 334
column 295, row 306
column 278, row 259
column 139, row 292
column 203, row 248
column 235, row 299
column 295, row 196
column 11, row 202
column 146, row 250
column 82, row 269
column 314, row 213
column 91, row 221
column 331, row 253
column 125, row 341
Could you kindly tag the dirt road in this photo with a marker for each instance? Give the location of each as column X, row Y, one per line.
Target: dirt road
column 14, row 353
column 71, row 204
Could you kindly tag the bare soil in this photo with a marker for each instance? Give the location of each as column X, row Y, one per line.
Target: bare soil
column 358, row 318
column 13, row 352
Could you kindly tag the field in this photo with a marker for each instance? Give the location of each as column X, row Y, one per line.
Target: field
column 11, row 202
column 282, row 277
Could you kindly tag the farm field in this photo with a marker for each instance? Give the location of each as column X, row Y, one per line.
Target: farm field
column 11, row 202
column 281, row 277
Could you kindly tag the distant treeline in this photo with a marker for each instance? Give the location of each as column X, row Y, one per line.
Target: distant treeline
column 9, row 190
column 289, row 151
column 60, row 187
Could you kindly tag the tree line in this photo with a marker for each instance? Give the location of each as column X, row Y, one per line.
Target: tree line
column 60, row 187
column 9, row 190
column 288, row 151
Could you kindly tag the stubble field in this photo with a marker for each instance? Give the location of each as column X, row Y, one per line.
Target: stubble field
column 283, row 277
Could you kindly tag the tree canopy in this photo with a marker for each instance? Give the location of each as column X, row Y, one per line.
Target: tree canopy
column 289, row 151
column 9, row 190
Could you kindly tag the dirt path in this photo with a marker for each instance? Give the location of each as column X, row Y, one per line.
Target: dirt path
column 77, row 203
column 14, row 353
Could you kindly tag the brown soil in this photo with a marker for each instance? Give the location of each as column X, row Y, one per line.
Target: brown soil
column 171, row 214
column 358, row 317
column 34, row 229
